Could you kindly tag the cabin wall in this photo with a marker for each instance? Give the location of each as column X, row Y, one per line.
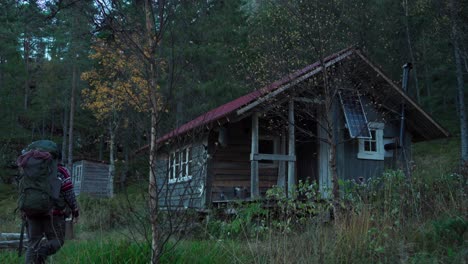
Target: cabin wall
column 188, row 193
column 230, row 165
column 350, row 167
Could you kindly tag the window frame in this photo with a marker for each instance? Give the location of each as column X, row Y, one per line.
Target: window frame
column 379, row 153
column 179, row 165
column 77, row 174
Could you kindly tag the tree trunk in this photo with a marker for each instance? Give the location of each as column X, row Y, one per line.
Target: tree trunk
column 52, row 126
column 64, row 137
column 427, row 78
column 152, row 186
column 410, row 48
column 123, row 175
column 153, row 191
column 1, row 73
column 72, row 116
column 112, row 131
column 330, row 92
column 26, row 47
column 101, row 147
column 464, row 56
column 460, row 84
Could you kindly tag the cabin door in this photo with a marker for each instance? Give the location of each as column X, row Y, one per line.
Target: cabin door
column 307, row 153
column 306, row 158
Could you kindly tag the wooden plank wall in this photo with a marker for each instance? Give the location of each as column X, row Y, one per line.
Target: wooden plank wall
column 352, row 168
column 230, row 165
column 96, row 181
column 187, row 194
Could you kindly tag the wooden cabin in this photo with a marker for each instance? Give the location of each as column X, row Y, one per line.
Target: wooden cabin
column 280, row 134
column 92, row 178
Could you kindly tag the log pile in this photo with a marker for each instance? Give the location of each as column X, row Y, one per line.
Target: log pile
column 11, row 240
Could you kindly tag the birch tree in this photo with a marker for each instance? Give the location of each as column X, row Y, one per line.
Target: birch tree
column 141, row 27
column 455, row 35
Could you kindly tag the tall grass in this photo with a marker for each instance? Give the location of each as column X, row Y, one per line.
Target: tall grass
column 392, row 219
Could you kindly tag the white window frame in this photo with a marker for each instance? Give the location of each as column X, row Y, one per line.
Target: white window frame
column 77, row 174
column 179, row 165
column 379, row 153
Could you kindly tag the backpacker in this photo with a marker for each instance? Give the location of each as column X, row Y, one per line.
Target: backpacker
column 39, row 187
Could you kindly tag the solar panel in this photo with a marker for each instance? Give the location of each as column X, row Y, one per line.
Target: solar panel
column 356, row 119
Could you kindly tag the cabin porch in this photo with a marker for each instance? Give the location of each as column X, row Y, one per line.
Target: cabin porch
column 262, row 151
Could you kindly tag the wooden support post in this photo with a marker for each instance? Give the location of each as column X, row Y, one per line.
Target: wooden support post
column 325, row 183
column 254, row 186
column 291, row 149
column 282, row 164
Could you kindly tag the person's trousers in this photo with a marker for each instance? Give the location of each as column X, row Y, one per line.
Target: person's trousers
column 50, row 227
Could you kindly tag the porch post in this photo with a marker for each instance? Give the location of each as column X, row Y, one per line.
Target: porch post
column 291, row 149
column 282, row 164
column 254, row 190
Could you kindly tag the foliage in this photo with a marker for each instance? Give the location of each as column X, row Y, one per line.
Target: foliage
column 300, row 207
column 117, row 81
column 278, row 214
column 247, row 221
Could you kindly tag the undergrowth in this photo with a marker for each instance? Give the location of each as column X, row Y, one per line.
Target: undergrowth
column 386, row 219
column 390, row 219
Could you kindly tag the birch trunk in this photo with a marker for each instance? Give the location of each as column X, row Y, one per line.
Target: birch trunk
column 460, row 84
column 152, row 186
column 72, row 118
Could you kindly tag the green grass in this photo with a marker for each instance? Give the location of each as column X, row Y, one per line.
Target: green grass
column 9, row 220
column 113, row 250
column 435, row 158
column 93, row 251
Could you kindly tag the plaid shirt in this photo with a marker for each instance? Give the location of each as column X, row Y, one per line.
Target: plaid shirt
column 66, row 190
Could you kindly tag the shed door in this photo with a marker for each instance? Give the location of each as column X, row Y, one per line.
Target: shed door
column 77, row 177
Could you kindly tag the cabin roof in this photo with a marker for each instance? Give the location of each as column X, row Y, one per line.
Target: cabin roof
column 420, row 123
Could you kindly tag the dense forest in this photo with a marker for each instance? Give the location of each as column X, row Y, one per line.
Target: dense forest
column 66, row 65
column 106, row 78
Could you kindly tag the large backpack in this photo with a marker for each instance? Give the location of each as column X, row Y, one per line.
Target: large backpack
column 39, row 187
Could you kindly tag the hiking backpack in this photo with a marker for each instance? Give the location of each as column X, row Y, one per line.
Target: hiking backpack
column 39, row 187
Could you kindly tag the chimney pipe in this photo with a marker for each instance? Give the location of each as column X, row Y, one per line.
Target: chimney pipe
column 404, row 86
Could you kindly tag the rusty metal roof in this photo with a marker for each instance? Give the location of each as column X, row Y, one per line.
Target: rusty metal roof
column 230, row 107
column 429, row 128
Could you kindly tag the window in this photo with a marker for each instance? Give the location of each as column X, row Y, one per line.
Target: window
column 180, row 168
column 77, row 174
column 373, row 147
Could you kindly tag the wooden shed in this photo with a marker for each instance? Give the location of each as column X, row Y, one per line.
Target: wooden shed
column 275, row 135
column 92, row 178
